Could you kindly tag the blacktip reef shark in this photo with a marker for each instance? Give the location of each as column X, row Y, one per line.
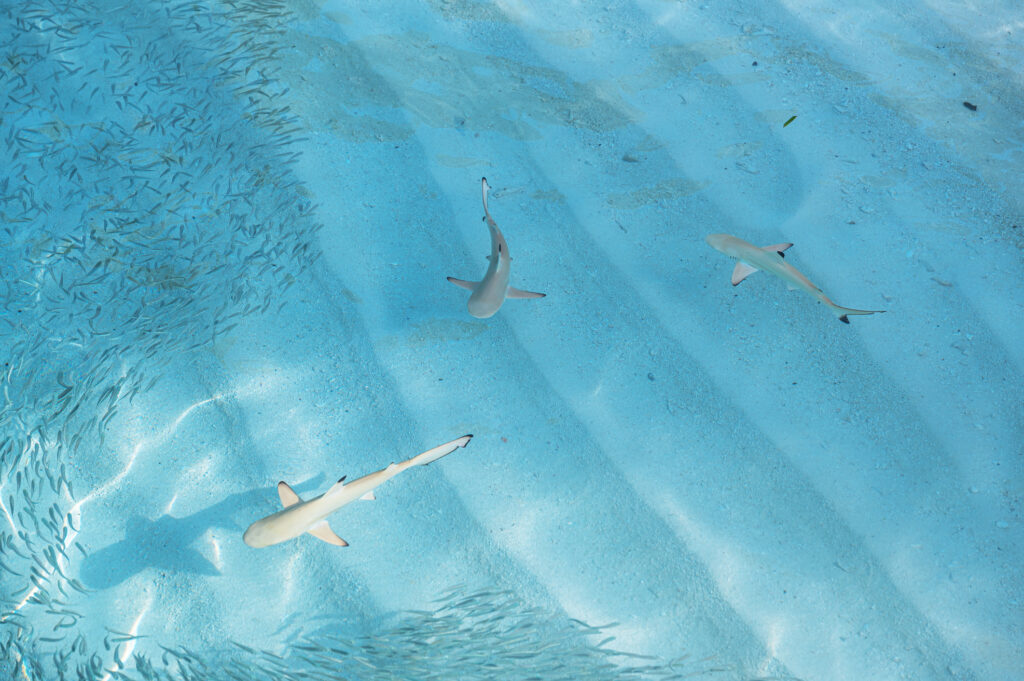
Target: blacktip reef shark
column 771, row 259
column 490, row 292
column 300, row 516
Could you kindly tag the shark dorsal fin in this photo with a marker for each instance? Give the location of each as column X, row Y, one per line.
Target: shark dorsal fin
column 741, row 272
column 323, row 532
column 777, row 248
column 287, row 494
column 338, row 485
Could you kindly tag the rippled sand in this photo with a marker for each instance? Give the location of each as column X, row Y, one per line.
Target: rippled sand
column 727, row 473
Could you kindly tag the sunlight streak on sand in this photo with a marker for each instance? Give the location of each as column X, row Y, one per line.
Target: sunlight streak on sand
column 164, row 435
column 289, row 577
column 218, row 560
column 121, row 656
column 75, row 512
column 3, row 506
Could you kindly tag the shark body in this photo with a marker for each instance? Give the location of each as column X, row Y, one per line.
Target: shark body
column 490, row 292
column 300, row 516
column 770, row 259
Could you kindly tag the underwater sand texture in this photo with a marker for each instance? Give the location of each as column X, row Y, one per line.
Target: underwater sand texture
column 227, row 227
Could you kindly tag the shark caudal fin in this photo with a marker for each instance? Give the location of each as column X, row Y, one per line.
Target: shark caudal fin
column 484, row 187
column 842, row 312
column 436, row 453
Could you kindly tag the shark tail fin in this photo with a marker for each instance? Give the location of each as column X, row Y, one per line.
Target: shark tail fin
column 436, row 453
column 843, row 312
column 484, row 188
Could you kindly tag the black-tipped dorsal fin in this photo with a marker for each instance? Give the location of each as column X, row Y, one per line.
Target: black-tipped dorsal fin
column 778, row 248
column 287, row 494
column 338, row 485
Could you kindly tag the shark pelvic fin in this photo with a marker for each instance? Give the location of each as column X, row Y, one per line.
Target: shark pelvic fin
column 516, row 293
column 469, row 285
column 741, row 272
column 287, row 494
column 323, row 532
column 369, row 496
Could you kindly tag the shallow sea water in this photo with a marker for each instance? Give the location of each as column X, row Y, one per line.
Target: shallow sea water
column 226, row 232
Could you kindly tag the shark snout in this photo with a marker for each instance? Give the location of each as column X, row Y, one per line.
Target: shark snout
column 254, row 536
column 716, row 241
column 482, row 309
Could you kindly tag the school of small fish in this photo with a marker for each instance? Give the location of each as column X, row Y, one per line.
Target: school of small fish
column 148, row 205
column 127, row 237
column 471, row 635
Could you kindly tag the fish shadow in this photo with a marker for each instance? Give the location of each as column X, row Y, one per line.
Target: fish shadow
column 165, row 544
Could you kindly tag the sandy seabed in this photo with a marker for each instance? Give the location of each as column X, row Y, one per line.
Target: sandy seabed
column 726, row 473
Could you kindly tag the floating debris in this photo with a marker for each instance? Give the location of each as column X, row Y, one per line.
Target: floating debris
column 791, row 119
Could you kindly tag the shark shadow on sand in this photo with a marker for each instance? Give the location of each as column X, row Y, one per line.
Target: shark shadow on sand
column 167, row 543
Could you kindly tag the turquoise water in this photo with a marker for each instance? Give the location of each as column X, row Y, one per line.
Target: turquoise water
column 227, row 228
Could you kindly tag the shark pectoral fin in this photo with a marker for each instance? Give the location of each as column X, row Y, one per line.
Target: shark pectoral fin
column 516, row 293
column 323, row 532
column 469, row 285
column 777, row 248
column 742, row 271
column 287, row 494
column 369, row 496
